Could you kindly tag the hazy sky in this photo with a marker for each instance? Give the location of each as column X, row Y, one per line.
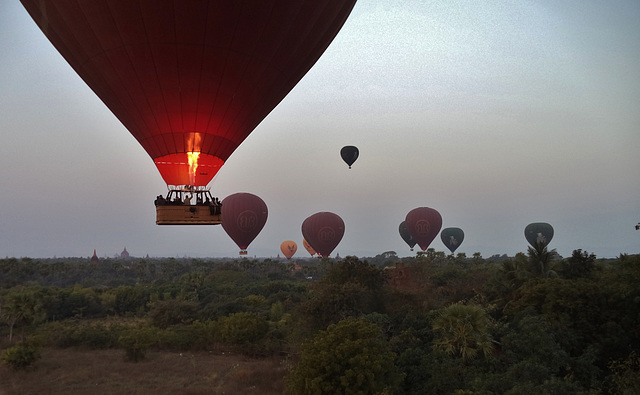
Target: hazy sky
column 495, row 113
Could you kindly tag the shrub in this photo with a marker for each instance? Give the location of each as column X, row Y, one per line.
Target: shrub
column 243, row 328
column 80, row 334
column 626, row 377
column 204, row 334
column 136, row 341
column 21, row 356
column 166, row 313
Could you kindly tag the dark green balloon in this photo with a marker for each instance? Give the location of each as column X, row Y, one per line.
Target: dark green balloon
column 349, row 154
column 406, row 236
column 538, row 233
column 452, row 238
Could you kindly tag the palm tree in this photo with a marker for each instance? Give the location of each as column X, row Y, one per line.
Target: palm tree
column 462, row 330
column 541, row 260
column 510, row 277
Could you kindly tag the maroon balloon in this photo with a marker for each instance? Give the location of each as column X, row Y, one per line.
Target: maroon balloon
column 243, row 217
column 424, row 224
column 323, row 231
column 190, row 77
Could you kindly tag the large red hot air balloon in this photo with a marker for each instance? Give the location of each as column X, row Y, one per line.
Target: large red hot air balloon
column 423, row 223
column 243, row 217
column 190, row 79
column 323, row 231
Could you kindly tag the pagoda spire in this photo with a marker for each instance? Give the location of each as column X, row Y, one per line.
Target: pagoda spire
column 94, row 258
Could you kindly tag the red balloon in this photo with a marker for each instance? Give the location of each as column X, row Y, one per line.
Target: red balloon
column 323, row 231
column 190, row 79
column 243, row 217
column 423, row 224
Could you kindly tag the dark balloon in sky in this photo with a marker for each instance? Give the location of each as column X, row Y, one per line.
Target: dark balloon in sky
column 243, row 217
column 349, row 154
column 452, row 238
column 538, row 233
column 190, row 79
column 288, row 248
column 424, row 224
column 406, row 236
column 323, row 231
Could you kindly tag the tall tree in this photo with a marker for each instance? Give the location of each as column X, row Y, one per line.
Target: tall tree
column 462, row 330
column 350, row 288
column 541, row 260
column 350, row 357
column 581, row 264
column 21, row 306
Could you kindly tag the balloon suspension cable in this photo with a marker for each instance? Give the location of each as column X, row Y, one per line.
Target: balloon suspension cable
column 189, row 195
column 188, row 188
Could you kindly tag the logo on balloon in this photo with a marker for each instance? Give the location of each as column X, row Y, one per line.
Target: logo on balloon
column 247, row 220
column 422, row 227
column 326, row 234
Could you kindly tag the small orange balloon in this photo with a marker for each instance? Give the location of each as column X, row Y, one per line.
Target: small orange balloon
column 288, row 248
column 308, row 247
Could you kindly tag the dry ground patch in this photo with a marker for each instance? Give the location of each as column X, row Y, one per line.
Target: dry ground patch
column 67, row 371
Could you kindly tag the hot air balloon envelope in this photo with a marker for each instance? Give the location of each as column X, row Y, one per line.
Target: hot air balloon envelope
column 323, row 231
column 288, row 248
column 243, row 217
column 538, row 234
column 452, row 238
column 308, row 247
column 406, row 236
column 190, row 79
column 349, row 154
column 424, row 224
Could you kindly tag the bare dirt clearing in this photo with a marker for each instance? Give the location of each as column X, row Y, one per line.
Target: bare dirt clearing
column 105, row 372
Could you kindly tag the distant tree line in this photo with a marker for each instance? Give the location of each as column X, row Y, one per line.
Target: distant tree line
column 532, row 323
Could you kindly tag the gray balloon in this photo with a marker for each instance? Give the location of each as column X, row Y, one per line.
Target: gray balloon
column 538, row 234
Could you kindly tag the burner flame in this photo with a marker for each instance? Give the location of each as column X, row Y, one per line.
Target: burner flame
column 193, row 166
